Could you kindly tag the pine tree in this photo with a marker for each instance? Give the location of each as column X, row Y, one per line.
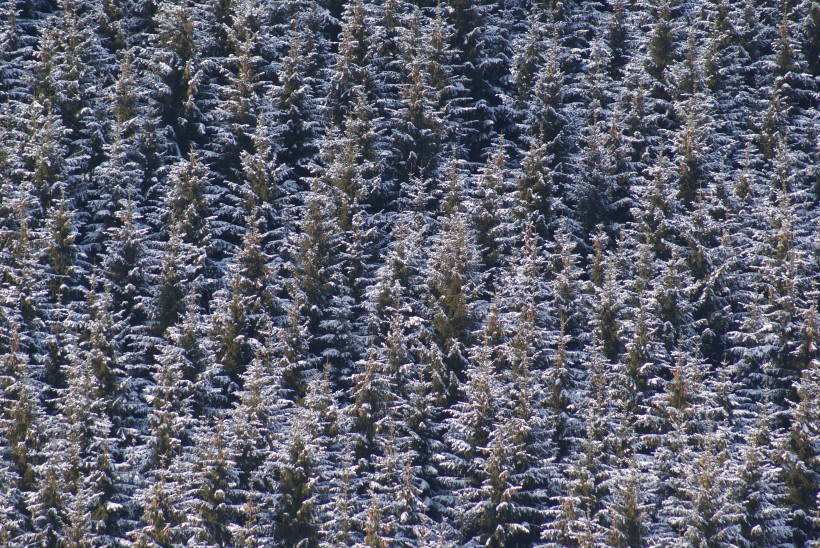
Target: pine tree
column 546, row 109
column 170, row 399
column 776, row 328
column 45, row 154
column 419, row 110
column 16, row 51
column 629, row 509
column 711, row 518
column 48, row 502
column 468, row 438
column 64, row 273
column 607, row 306
column 94, row 486
column 175, row 62
column 535, row 187
column 188, row 204
column 661, row 42
column 451, row 282
column 761, row 491
column 480, row 36
column 21, row 414
column 496, row 514
column 161, row 520
column 12, row 520
column 209, row 478
column 132, row 155
column 169, row 300
column 294, row 518
column 692, row 155
column 126, row 267
column 239, row 83
column 71, row 63
column 575, row 518
column 490, row 210
column 296, row 109
column 318, row 285
column 694, row 458
column 799, row 466
column 97, row 349
column 350, row 70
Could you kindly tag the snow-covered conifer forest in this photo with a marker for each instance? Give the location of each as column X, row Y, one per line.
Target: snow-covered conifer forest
column 400, row 273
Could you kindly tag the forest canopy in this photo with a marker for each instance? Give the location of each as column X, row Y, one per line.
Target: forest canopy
column 511, row 273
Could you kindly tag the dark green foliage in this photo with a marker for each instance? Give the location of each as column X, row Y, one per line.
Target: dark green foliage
column 295, row 523
column 409, row 273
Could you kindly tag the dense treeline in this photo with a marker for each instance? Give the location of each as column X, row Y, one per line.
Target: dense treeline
column 409, row 273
